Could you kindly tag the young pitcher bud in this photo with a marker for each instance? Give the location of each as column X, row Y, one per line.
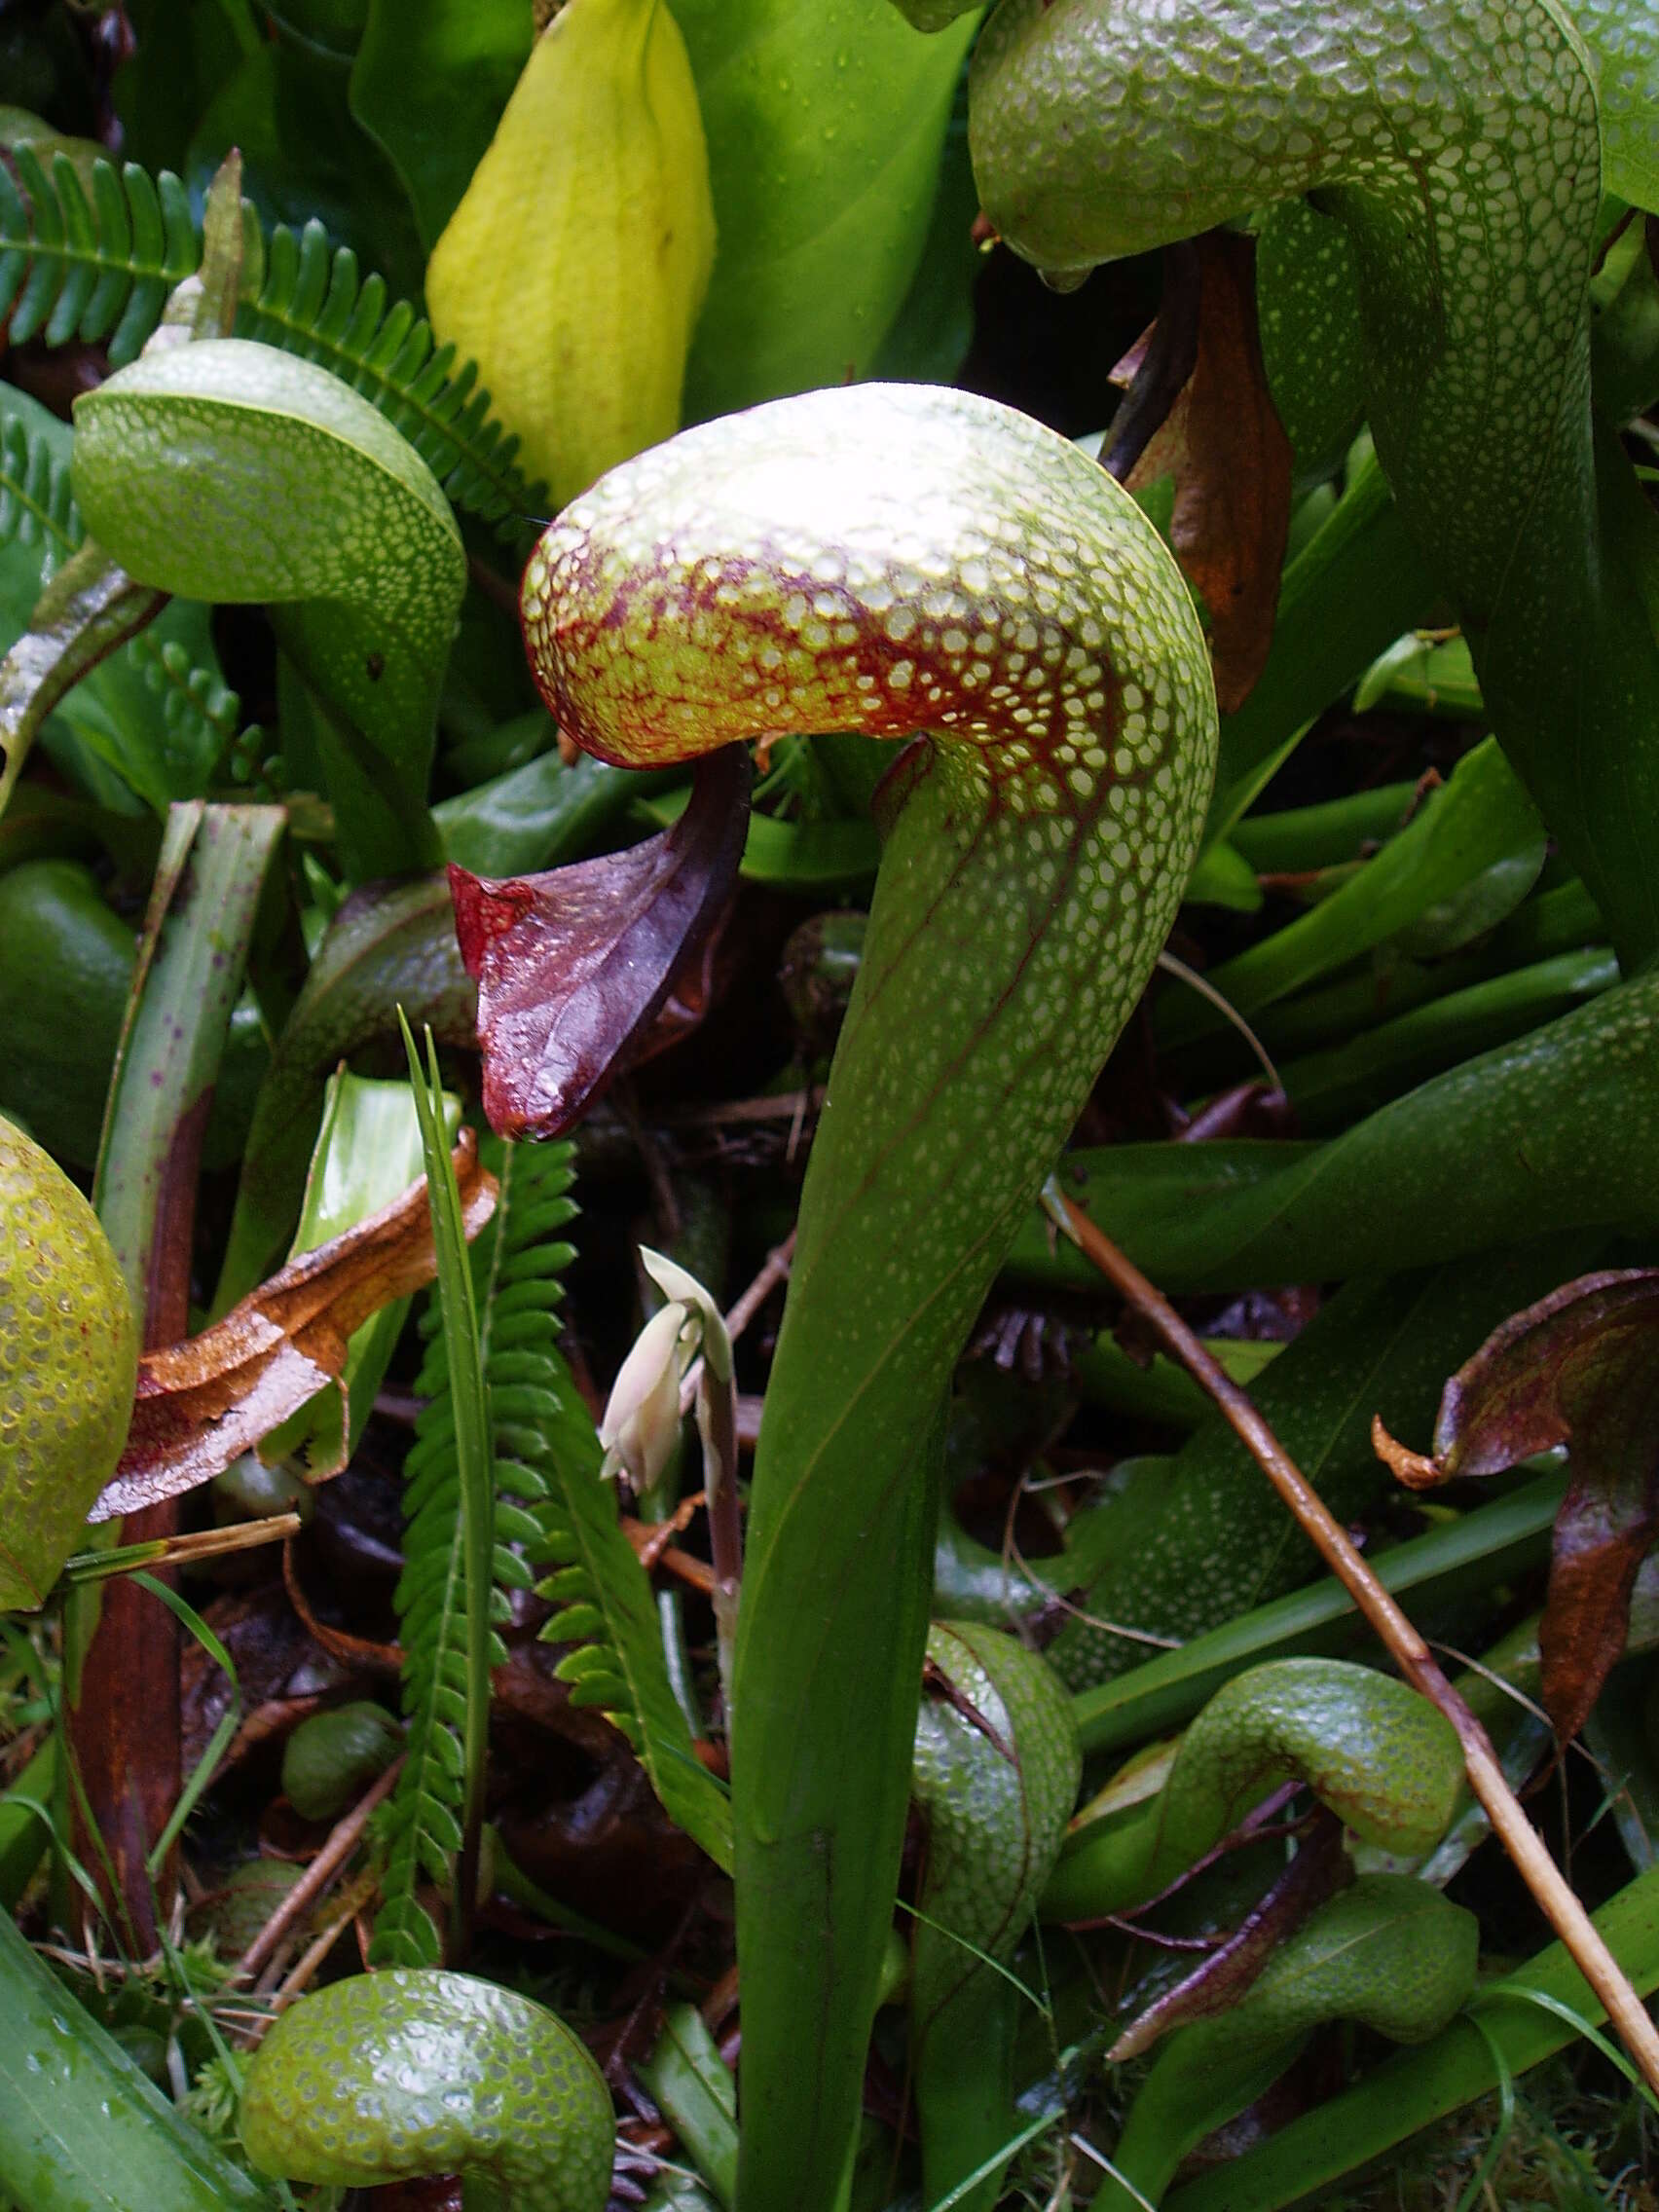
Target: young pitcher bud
column 574, row 268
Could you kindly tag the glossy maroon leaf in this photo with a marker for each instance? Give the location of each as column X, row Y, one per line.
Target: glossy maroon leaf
column 1581, row 1365
column 573, row 966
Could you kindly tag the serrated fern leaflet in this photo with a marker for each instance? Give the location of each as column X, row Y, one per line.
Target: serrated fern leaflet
column 552, row 1511
column 312, row 303
column 100, row 269
column 38, row 509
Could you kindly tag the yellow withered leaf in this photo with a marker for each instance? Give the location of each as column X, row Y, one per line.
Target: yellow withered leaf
column 574, row 268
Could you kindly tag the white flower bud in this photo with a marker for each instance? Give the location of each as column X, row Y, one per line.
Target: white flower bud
column 676, row 1281
column 642, row 1420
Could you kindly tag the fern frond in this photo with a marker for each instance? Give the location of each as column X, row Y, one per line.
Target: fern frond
column 549, row 1456
column 423, row 1822
column 37, row 509
column 36, row 504
column 97, row 271
column 193, row 699
column 552, row 1512
column 101, row 270
column 311, row 302
column 445, row 1595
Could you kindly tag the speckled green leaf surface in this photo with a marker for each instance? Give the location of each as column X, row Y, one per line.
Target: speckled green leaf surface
column 1384, row 1760
column 1192, row 1541
column 228, row 471
column 1375, row 2114
column 1082, row 121
column 893, row 558
column 996, row 1770
column 1623, row 39
column 68, row 1355
column 413, row 2072
column 1389, row 1951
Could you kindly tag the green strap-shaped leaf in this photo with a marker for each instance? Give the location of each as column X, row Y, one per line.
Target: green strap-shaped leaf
column 1191, row 1541
column 1552, row 1131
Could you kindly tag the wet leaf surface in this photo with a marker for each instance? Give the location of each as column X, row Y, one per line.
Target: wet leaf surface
column 574, row 966
column 1223, row 443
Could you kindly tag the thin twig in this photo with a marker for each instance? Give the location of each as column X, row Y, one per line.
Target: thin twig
column 343, row 1840
column 1225, row 1007
column 311, row 1957
column 1411, row 1654
column 696, row 1573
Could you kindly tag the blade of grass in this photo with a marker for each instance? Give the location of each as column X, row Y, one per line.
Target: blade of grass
column 206, row 1766
column 475, row 1459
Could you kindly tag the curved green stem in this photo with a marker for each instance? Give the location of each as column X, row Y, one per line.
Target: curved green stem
column 899, row 560
column 399, row 2074
column 1458, row 147
column 227, row 471
column 1381, row 1756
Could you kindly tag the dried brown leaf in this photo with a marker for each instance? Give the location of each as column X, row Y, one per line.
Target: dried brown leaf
column 1579, row 1365
column 1227, row 450
column 202, row 1403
